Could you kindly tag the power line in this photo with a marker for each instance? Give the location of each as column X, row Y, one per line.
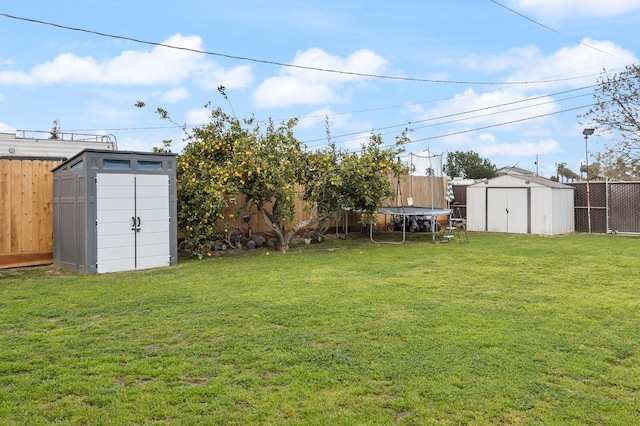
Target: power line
column 282, row 64
column 498, row 124
column 469, row 112
column 190, row 126
column 462, row 113
column 549, row 28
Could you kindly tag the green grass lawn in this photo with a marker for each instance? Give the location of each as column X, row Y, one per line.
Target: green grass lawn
column 504, row 330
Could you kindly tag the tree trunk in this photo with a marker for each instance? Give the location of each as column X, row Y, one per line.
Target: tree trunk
column 284, row 237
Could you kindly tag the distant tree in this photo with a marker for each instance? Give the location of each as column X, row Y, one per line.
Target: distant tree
column 566, row 173
column 165, row 148
column 469, row 165
column 617, row 111
column 617, row 167
column 593, row 172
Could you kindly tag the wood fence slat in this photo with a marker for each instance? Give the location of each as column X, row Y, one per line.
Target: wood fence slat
column 36, row 211
column 26, row 216
column 5, row 206
column 16, row 206
column 46, row 204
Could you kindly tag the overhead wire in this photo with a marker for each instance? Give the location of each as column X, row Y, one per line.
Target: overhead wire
column 190, row 126
column 204, row 52
column 411, row 123
column 490, row 126
column 549, row 28
column 283, row 64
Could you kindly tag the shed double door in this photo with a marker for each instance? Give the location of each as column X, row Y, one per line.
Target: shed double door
column 508, row 210
column 133, row 222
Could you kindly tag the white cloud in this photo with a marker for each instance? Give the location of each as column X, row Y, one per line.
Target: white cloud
column 110, row 114
column 517, row 149
column 7, row 62
column 559, row 67
column 196, row 117
column 175, row 95
column 317, row 118
column 512, row 59
column 508, row 109
column 572, row 61
column 158, row 66
column 567, row 8
column 209, row 76
column 471, row 109
column 6, row 128
column 297, row 86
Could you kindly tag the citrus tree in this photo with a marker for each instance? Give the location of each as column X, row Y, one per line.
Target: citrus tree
column 365, row 175
column 324, row 190
column 275, row 173
column 269, row 169
column 205, row 181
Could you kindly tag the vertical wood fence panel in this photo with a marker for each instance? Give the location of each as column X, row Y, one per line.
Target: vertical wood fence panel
column 26, row 221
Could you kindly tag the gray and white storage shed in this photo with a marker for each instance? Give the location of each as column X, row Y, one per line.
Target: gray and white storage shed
column 520, row 205
column 115, row 211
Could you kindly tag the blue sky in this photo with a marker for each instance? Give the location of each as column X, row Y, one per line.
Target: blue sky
column 464, row 75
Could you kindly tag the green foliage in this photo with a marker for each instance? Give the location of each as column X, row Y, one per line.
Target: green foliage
column 324, row 188
column 365, row 175
column 593, row 172
column 469, row 165
column 565, row 174
column 267, row 170
column 617, row 165
column 205, row 181
column 165, row 148
column 274, row 172
column 617, row 111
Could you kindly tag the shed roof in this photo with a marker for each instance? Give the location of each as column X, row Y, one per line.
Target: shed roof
column 521, row 181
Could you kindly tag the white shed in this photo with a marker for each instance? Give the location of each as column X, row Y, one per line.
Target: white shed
column 520, row 205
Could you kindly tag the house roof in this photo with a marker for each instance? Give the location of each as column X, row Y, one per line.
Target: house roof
column 514, row 171
column 14, row 147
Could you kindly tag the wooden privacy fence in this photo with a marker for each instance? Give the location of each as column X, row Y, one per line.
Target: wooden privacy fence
column 424, row 191
column 26, row 209
column 26, row 214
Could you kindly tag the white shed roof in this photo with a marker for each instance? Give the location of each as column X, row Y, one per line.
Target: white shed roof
column 519, row 181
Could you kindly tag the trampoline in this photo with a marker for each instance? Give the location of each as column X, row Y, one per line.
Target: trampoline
column 408, row 211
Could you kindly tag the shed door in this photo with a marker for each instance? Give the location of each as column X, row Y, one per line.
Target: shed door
column 152, row 207
column 115, row 205
column 132, row 226
column 508, row 210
